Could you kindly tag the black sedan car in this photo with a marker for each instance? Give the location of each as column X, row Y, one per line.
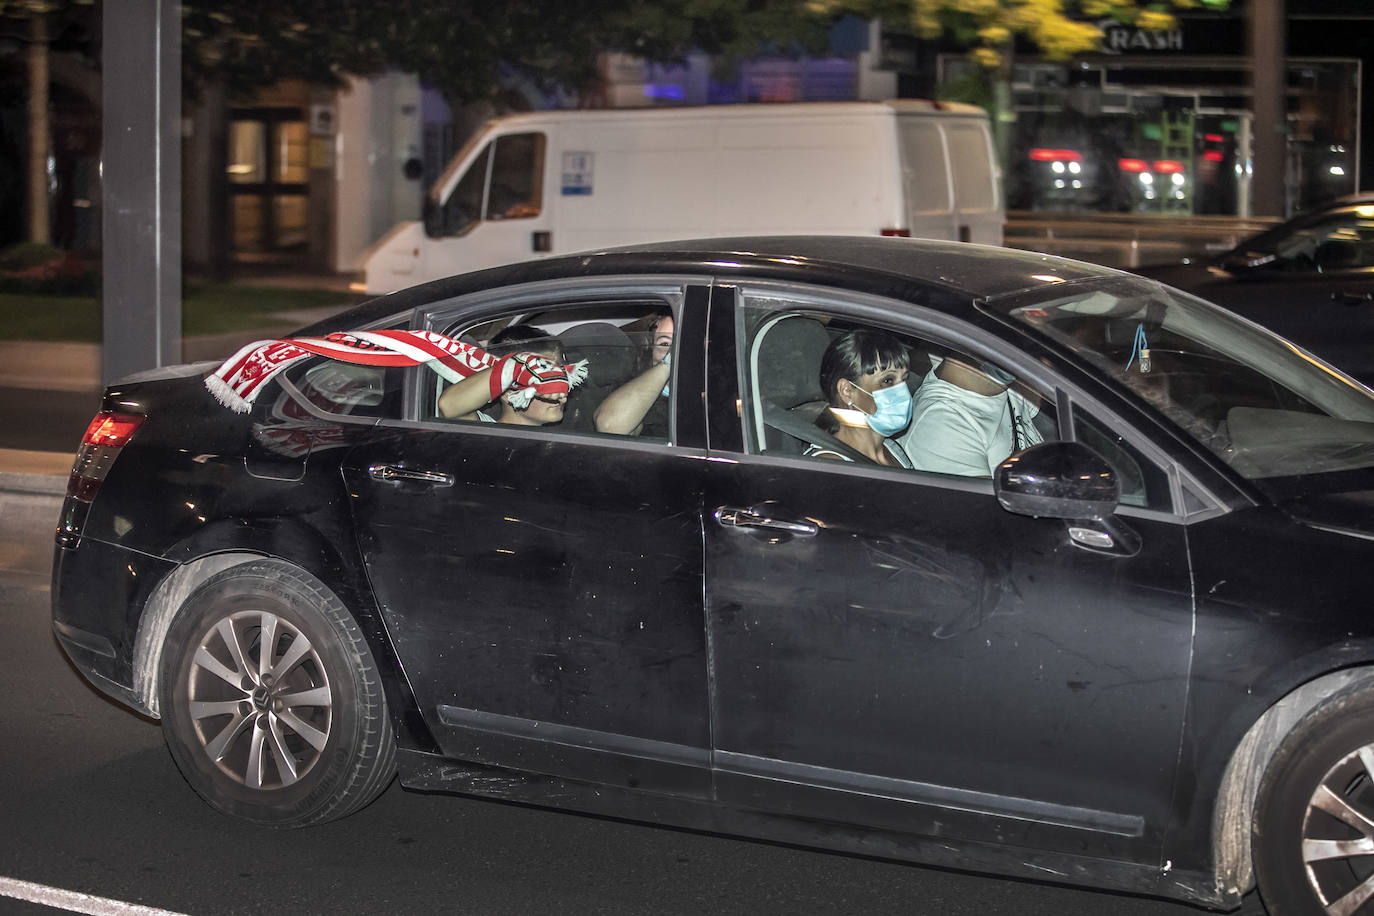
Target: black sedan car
column 1311, row 279
column 1133, row 649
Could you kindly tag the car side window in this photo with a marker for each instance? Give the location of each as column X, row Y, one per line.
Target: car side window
column 586, row 368
column 1143, row 483
column 338, row 388
column 826, row 387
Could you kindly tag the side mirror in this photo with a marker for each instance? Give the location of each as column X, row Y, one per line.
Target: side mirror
column 433, row 218
column 1058, row 480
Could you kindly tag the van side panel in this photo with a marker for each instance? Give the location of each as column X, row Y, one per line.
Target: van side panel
column 808, row 175
column 650, row 181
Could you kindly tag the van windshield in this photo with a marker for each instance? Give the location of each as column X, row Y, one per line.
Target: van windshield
column 1265, row 407
column 504, row 181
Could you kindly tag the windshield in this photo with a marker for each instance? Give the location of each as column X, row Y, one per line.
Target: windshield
column 1262, row 405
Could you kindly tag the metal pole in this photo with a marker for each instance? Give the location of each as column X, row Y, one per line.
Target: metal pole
column 38, row 130
column 141, row 178
column 1269, row 82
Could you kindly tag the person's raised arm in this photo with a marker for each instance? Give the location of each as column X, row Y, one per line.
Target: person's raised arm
column 462, row 399
column 623, row 410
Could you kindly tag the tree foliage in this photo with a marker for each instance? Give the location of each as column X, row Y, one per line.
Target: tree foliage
column 468, row 48
column 1058, row 28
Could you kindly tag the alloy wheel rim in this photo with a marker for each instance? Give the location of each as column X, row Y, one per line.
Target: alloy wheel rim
column 259, row 700
column 1338, row 835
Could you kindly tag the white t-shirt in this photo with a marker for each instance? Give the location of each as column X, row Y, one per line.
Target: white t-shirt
column 957, row 431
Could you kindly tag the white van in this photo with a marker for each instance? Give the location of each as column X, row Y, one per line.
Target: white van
column 553, row 182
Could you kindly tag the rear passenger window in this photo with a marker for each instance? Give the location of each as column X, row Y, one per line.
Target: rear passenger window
column 616, row 358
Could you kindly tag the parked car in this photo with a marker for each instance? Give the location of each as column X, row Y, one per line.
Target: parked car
column 1139, row 656
column 1311, row 279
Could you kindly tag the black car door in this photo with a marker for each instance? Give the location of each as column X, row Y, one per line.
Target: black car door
column 543, row 589
column 893, row 648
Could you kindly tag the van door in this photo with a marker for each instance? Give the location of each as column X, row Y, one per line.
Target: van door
column 975, row 181
column 951, row 178
column 926, row 179
column 496, row 212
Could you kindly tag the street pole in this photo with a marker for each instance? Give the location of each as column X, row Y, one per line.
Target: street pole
column 39, row 230
column 1269, row 83
column 141, row 166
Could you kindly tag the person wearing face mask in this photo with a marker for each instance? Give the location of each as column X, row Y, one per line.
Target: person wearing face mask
column 863, row 375
column 967, row 419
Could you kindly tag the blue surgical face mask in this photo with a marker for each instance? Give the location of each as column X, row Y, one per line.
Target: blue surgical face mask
column 997, row 374
column 892, row 409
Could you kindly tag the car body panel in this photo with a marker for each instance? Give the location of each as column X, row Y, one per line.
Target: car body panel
column 538, row 605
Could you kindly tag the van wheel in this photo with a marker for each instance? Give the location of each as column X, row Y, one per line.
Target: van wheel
column 1314, row 822
column 270, row 699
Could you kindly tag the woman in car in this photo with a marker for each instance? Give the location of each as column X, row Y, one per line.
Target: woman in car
column 467, row 399
column 863, row 375
column 640, row 406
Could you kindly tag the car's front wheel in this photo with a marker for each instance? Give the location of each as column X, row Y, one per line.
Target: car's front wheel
column 270, row 699
column 1314, row 822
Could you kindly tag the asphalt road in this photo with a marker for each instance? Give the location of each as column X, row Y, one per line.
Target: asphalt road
column 90, row 801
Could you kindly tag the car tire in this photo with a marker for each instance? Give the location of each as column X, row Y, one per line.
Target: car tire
column 299, row 738
column 1324, row 768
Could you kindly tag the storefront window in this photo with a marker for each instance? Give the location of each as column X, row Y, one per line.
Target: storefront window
column 1148, row 137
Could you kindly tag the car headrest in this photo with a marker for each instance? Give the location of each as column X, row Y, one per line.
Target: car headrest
column 609, row 352
column 788, row 370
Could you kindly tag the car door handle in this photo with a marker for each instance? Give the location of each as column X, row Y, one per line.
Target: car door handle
column 735, row 517
column 390, row 473
column 1351, row 298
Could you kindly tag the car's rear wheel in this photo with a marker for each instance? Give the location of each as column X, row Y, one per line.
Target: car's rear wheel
column 1314, row 823
column 270, row 699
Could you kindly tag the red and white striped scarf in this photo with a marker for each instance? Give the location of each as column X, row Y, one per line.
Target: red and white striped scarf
column 236, row 383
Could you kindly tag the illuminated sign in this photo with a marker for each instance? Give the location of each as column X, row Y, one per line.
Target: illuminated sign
column 1125, row 39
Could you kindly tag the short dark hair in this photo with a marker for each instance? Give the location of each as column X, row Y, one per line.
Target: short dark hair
column 858, row 353
column 526, row 338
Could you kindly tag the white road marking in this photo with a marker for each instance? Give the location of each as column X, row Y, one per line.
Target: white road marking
column 75, row 902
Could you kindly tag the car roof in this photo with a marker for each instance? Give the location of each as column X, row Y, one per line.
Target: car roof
column 885, row 266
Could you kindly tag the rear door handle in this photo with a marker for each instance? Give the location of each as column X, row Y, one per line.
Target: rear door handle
column 735, row 517
column 390, row 473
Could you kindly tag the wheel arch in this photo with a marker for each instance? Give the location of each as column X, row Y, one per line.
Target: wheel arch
column 231, row 542
column 1234, row 813
column 158, row 613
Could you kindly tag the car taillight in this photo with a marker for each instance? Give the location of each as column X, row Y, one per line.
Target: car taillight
column 105, row 436
column 897, row 233
column 113, row 429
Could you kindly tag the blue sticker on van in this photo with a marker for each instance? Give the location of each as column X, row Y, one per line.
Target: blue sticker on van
column 578, row 172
